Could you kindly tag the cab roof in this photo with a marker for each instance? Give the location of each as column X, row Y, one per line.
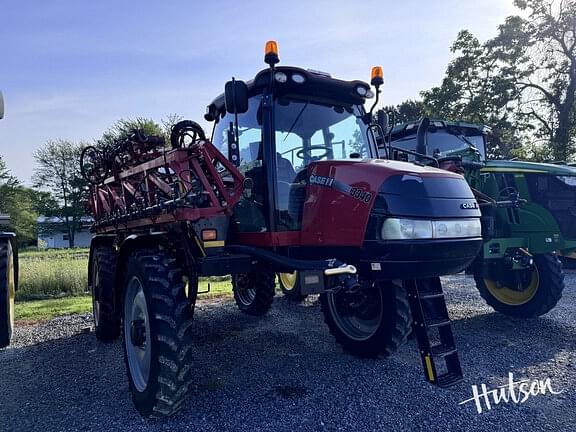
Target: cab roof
column 409, row 128
column 317, row 85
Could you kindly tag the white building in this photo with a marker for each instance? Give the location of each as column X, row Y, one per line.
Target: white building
column 52, row 233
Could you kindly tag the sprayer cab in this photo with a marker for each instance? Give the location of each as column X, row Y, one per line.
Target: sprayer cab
column 318, row 189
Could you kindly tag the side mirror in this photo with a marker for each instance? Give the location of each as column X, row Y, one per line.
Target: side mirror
column 1, row 106
column 382, row 119
column 236, row 97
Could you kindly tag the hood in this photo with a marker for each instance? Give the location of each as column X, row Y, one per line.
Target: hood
column 528, row 167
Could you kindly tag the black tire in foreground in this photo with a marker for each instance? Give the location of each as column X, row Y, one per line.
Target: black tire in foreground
column 157, row 331
column 539, row 292
column 254, row 291
column 290, row 286
column 7, row 292
column 371, row 323
column 106, row 321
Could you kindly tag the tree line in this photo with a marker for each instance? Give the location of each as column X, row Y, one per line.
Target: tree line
column 521, row 83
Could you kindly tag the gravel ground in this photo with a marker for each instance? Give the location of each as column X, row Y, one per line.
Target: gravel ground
column 283, row 372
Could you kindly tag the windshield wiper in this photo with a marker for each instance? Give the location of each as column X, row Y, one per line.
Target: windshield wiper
column 462, row 138
column 295, row 121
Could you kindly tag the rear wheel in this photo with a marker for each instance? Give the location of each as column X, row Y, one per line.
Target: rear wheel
column 254, row 291
column 7, row 292
column 290, row 286
column 106, row 322
column 531, row 293
column 374, row 321
column 157, row 331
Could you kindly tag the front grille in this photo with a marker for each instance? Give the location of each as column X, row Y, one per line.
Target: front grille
column 558, row 198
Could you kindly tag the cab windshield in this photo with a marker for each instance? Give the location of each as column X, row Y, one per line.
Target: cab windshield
column 305, row 132
column 442, row 142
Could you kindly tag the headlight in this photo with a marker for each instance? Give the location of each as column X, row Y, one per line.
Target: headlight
column 298, row 79
column 569, row 180
column 280, row 77
column 410, row 229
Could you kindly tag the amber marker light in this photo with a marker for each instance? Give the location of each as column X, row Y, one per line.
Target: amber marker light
column 271, row 53
column 377, row 76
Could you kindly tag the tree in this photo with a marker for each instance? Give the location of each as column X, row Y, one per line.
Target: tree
column 123, row 127
column 16, row 201
column 59, row 172
column 475, row 90
column 522, row 82
column 407, row 111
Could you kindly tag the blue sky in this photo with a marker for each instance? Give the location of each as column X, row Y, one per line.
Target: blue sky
column 69, row 69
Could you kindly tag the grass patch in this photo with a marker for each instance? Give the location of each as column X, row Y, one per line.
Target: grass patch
column 54, row 283
column 64, row 272
column 42, row 310
column 53, row 273
column 32, row 311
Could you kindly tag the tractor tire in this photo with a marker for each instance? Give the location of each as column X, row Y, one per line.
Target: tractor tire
column 377, row 327
column 539, row 297
column 106, row 321
column 290, row 286
column 254, row 291
column 158, row 307
column 7, row 292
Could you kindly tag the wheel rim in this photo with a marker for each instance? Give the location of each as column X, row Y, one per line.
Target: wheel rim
column 95, row 286
column 513, row 297
column 288, row 280
column 244, row 291
column 137, row 334
column 11, row 292
column 362, row 322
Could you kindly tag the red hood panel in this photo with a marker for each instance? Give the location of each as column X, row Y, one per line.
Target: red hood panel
column 340, row 196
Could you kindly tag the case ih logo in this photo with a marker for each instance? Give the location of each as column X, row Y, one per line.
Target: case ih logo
column 331, row 182
column 472, row 205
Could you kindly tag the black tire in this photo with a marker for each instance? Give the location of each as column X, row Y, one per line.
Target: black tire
column 93, row 165
column 387, row 334
column 7, row 292
column 106, row 320
column 537, row 299
column 169, row 297
column 254, row 292
column 186, row 129
column 290, row 286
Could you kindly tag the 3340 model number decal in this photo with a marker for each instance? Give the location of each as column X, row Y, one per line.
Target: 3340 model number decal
column 330, row 182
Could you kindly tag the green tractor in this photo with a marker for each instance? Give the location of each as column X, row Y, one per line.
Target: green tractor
column 528, row 212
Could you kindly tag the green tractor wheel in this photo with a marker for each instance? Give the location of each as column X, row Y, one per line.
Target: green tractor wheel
column 290, row 286
column 538, row 292
column 7, row 292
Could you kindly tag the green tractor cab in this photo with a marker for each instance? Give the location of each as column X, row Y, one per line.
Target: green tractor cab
column 528, row 212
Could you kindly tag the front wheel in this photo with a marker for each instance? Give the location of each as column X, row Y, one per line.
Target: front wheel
column 290, row 286
column 157, row 332
column 533, row 292
column 7, row 292
column 373, row 321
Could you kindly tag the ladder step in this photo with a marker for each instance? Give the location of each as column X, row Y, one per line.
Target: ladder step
column 431, row 296
column 437, row 322
column 442, row 350
column 449, row 379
